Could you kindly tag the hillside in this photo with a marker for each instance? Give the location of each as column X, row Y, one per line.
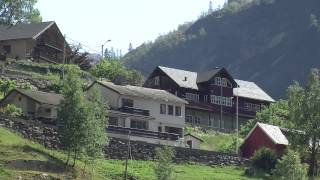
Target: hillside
column 23, row 159
column 271, row 43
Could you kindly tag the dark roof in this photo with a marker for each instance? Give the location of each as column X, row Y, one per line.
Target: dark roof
column 143, row 92
column 23, row 30
column 207, row 75
column 40, row 97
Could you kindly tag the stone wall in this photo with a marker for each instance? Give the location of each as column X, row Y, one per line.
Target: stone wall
column 21, row 80
column 34, row 130
column 117, row 148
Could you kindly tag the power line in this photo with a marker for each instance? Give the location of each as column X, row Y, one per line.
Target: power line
column 83, row 45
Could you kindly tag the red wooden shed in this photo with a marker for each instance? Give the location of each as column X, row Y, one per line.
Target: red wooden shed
column 264, row 135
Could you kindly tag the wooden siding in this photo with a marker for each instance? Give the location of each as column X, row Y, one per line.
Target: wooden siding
column 257, row 140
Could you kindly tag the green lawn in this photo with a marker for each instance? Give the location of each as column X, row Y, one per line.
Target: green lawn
column 13, row 147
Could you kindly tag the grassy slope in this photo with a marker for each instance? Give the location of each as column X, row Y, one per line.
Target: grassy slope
column 14, row 147
column 213, row 140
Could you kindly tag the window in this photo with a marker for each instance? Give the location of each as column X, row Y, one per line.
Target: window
column 170, row 110
column 127, row 102
column 7, row 49
column 188, row 119
column 138, row 124
column 159, row 129
column 205, row 98
column 225, row 101
column 178, row 111
column 113, row 121
column 163, row 109
column 196, row 120
column 157, row 80
column 252, row 107
column 192, row 97
column 19, row 98
column 48, row 110
column 224, row 82
column 209, row 122
column 217, row 81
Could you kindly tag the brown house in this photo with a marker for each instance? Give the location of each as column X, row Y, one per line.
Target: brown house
column 34, row 104
column 264, row 135
column 213, row 96
column 42, row 42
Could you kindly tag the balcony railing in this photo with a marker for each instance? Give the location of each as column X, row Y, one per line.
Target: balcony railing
column 131, row 110
column 142, row 133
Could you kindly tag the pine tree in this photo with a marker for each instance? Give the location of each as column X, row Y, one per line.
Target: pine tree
column 210, row 9
column 130, row 47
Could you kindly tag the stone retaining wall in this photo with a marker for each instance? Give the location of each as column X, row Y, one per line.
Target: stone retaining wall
column 117, row 148
column 36, row 84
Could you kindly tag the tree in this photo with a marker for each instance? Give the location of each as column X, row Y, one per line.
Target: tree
column 79, row 57
column 290, row 167
column 210, row 9
column 304, row 105
column 17, row 11
column 163, row 167
column 264, row 159
column 72, row 114
column 81, row 121
column 275, row 114
column 6, row 86
column 114, row 71
column 130, row 48
column 96, row 139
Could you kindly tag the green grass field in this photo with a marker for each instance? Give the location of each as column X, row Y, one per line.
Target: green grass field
column 13, row 147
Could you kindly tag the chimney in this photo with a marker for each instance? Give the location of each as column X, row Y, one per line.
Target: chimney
column 185, row 78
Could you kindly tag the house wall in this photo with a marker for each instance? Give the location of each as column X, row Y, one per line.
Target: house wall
column 29, row 106
column 259, row 139
column 112, row 98
column 18, row 48
column 160, row 119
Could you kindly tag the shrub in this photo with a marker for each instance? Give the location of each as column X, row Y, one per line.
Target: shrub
column 163, row 168
column 290, row 167
column 11, row 111
column 264, row 159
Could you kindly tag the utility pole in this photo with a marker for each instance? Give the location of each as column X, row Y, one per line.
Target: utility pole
column 64, row 55
column 102, row 47
column 128, row 153
column 237, row 124
column 221, row 111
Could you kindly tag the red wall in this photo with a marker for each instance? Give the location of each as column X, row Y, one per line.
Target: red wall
column 259, row 139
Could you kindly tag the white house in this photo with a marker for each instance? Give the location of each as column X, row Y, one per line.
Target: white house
column 149, row 115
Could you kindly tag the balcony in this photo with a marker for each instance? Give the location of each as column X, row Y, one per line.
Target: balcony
column 142, row 133
column 131, row 110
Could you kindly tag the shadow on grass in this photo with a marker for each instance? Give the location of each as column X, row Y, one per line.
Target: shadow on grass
column 52, row 165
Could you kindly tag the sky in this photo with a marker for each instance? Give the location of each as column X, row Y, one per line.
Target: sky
column 93, row 22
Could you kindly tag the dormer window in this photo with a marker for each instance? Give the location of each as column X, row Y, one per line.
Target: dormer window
column 127, row 102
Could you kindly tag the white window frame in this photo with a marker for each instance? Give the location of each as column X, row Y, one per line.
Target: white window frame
column 192, row 97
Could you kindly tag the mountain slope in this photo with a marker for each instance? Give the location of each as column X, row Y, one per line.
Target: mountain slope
column 271, row 44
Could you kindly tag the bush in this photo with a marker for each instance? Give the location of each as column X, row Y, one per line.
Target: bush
column 163, row 168
column 11, row 111
column 290, row 167
column 264, row 159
